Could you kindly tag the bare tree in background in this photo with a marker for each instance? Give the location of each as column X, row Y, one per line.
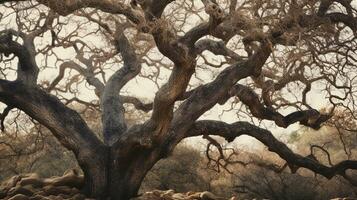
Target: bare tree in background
column 272, row 53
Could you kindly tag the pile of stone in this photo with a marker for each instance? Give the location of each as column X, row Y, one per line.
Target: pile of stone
column 346, row 198
column 67, row 187
column 32, row 187
column 171, row 195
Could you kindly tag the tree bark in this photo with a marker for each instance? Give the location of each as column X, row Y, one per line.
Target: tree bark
column 127, row 173
column 96, row 173
column 109, row 176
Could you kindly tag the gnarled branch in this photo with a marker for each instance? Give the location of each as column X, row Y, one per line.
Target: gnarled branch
column 113, row 110
column 311, row 118
column 27, row 68
column 232, row 131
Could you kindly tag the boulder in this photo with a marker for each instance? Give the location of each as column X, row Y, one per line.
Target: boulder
column 193, row 195
column 171, row 195
column 19, row 190
column 179, row 196
column 33, row 180
column 70, row 180
column 78, row 197
column 11, row 182
column 209, row 196
column 32, row 187
column 71, row 172
column 57, row 190
column 39, row 197
column 53, row 197
column 167, row 195
column 19, row 197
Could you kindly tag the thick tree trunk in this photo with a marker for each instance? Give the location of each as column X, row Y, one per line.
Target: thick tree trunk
column 116, row 178
column 94, row 164
column 126, row 183
column 96, row 181
column 128, row 173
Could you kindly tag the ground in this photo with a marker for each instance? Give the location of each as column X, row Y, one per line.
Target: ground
column 32, row 187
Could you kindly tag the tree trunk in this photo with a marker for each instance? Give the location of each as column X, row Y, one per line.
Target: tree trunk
column 116, row 178
column 94, row 164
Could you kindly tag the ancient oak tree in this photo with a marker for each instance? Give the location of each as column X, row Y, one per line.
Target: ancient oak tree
column 266, row 59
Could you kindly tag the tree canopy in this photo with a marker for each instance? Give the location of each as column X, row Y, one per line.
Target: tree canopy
column 284, row 62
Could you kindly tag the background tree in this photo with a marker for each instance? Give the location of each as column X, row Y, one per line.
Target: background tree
column 272, row 54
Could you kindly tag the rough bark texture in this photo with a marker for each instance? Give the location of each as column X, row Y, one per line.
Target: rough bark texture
column 115, row 167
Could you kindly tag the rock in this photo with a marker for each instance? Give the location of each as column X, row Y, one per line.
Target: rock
column 41, row 193
column 19, row 190
column 345, row 198
column 179, row 196
column 154, row 195
column 65, row 196
column 10, row 182
column 53, row 197
column 33, row 180
column 32, row 187
column 209, row 196
column 167, row 195
column 155, row 192
column 71, row 172
column 69, row 179
column 193, row 195
column 168, row 192
column 78, row 197
column 39, row 197
column 57, row 190
column 19, row 197
column 171, row 195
